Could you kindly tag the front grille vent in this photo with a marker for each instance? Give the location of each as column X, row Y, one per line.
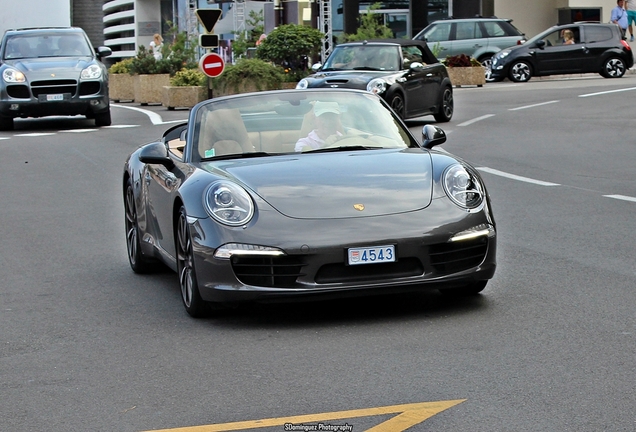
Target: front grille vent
column 458, row 256
column 272, row 272
column 340, row 273
column 53, row 87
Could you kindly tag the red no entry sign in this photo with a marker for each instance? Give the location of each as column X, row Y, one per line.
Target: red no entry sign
column 212, row 64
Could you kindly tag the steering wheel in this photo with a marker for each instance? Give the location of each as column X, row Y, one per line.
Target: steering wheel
column 351, row 140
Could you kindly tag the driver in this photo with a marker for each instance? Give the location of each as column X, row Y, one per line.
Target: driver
column 327, row 128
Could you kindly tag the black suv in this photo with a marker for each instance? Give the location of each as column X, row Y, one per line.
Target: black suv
column 565, row 49
column 403, row 72
column 52, row 71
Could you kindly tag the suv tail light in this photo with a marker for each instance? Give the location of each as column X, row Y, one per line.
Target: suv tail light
column 626, row 45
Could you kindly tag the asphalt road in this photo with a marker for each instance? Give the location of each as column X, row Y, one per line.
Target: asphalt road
column 87, row 345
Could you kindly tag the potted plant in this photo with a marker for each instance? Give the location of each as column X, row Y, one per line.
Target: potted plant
column 187, row 88
column 120, row 82
column 465, row 70
column 150, row 76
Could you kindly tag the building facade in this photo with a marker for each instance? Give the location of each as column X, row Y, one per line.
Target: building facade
column 128, row 24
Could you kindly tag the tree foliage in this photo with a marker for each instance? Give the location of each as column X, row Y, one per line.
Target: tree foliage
column 290, row 45
column 370, row 27
column 247, row 39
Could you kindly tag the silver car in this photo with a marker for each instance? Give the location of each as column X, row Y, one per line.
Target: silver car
column 52, row 71
column 479, row 38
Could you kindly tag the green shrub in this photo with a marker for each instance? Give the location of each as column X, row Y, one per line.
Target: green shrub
column 249, row 73
column 189, row 77
column 121, row 67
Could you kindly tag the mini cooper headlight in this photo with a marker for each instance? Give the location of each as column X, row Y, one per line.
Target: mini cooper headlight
column 91, row 72
column 10, row 75
column 377, row 86
column 229, row 203
column 503, row 54
column 463, row 187
column 302, row 84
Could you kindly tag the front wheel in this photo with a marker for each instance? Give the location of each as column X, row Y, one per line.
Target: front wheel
column 397, row 104
column 103, row 119
column 446, row 108
column 520, row 71
column 6, row 123
column 613, row 67
column 194, row 304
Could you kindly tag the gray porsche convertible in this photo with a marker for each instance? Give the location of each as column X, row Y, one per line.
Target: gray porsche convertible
column 296, row 194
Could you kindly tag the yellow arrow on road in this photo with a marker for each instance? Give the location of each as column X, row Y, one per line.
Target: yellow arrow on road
column 408, row 415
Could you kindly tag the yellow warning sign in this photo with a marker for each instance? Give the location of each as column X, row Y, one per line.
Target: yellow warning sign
column 407, row 415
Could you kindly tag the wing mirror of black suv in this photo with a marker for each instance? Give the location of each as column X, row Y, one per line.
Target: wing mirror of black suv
column 540, row 44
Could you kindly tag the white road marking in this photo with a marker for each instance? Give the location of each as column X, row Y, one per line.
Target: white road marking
column 475, row 120
column 153, row 116
column 621, row 197
column 534, row 105
column 516, row 177
column 35, row 134
column 79, row 130
column 607, row 92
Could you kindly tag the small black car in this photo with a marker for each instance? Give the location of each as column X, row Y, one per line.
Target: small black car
column 52, row 71
column 405, row 73
column 573, row 48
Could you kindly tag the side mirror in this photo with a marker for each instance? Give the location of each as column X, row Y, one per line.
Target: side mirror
column 432, row 136
column 103, row 51
column 416, row 66
column 156, row 153
column 540, row 44
column 316, row 66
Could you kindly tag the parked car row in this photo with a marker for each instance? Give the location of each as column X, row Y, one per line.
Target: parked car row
column 504, row 52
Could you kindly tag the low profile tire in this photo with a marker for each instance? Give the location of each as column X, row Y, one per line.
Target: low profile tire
column 192, row 301
column 471, row 289
column 397, row 104
column 520, row 71
column 447, row 106
column 137, row 261
column 614, row 67
column 6, row 123
column 103, row 119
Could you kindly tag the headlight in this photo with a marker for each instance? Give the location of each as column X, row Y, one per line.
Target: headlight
column 503, row 54
column 376, row 86
column 302, row 84
column 11, row 75
column 229, row 203
column 91, row 72
column 463, row 187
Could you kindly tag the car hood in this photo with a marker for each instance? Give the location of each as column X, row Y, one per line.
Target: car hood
column 45, row 66
column 336, row 185
column 350, row 79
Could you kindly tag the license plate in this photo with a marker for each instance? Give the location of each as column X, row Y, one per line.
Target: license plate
column 371, row 255
column 54, row 97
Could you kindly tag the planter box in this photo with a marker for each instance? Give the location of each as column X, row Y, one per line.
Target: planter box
column 121, row 87
column 465, row 76
column 183, row 97
column 149, row 88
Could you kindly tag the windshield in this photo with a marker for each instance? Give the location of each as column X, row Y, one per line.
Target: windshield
column 364, row 57
column 296, row 122
column 34, row 45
